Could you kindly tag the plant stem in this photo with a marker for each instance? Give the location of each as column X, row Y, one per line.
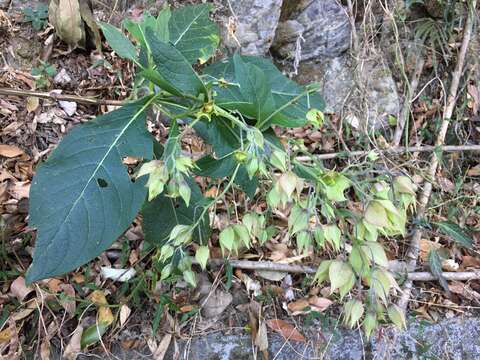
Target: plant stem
column 59, row 97
column 394, row 150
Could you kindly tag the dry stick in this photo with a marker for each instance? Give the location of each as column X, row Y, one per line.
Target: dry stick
column 405, row 111
column 302, row 269
column 59, row 97
column 395, row 150
column 414, row 247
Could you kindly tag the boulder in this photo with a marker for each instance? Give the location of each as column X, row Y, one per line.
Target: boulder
column 255, row 22
column 338, row 86
column 320, row 27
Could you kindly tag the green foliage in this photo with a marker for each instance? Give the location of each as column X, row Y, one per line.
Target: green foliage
column 456, row 233
column 43, row 73
column 83, row 197
column 38, row 16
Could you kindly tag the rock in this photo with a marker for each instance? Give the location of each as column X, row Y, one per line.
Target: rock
column 256, row 22
column 323, row 25
column 336, row 77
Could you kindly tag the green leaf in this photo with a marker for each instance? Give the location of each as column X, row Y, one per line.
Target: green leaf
column 190, row 278
column 201, row 255
column 376, row 253
column 82, row 197
column 159, row 25
column 335, row 185
column 435, row 263
column 339, row 273
column 376, row 214
column 162, row 214
column 353, row 312
column 458, row 235
column 255, row 89
column 397, row 316
column 219, row 133
column 291, row 101
column 176, row 72
column 380, row 283
column 215, row 168
column 332, row 235
column 118, row 41
column 92, row 334
column 227, row 238
column 193, row 33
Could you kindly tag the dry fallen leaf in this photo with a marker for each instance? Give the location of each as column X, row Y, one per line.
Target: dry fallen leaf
column 19, row 289
column 288, row 331
column 10, row 151
column 319, row 303
column 298, row 306
column 68, row 303
column 261, row 339
column 125, row 312
column 425, row 247
column 73, row 348
column 5, row 336
column 159, row 351
column 32, row 103
column 474, row 171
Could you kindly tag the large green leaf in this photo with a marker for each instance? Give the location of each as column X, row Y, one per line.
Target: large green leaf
column 219, row 133
column 159, row 25
column 215, row 168
column 82, row 197
column 173, row 70
column 118, row 41
column 193, row 33
column 162, row 214
column 458, row 235
column 291, row 100
column 255, row 88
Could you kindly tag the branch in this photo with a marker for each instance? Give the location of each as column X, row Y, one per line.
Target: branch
column 59, row 97
column 394, row 150
column 302, row 269
column 414, row 247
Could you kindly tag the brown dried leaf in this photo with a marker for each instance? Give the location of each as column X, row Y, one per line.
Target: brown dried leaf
column 261, row 339
column 159, row 351
column 69, row 303
column 319, row 303
column 10, row 151
column 425, row 247
column 73, row 348
column 125, row 312
column 288, row 331
column 470, row 261
column 298, row 306
column 19, row 289
column 474, row 171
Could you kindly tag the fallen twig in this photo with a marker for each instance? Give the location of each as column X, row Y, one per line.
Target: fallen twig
column 59, row 97
column 302, row 269
column 393, row 150
column 414, row 247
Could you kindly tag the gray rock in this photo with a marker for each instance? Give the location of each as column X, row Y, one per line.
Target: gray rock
column 455, row 339
column 256, row 22
column 323, row 25
column 366, row 107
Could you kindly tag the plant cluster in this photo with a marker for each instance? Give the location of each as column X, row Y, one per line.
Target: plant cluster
column 84, row 196
column 38, row 16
